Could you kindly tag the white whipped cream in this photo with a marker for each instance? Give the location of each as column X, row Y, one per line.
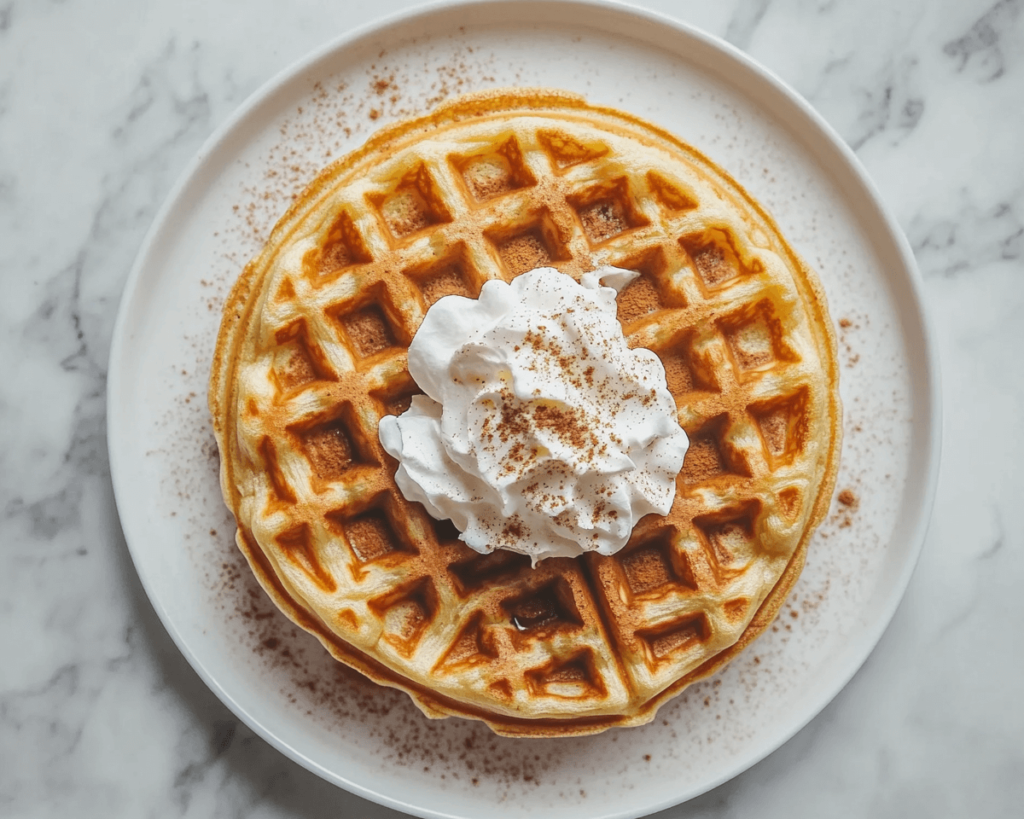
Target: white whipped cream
column 541, row 431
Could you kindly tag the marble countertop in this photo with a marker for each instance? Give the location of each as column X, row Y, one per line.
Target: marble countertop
column 102, row 105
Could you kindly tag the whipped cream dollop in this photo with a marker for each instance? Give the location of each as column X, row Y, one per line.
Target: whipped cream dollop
column 541, row 431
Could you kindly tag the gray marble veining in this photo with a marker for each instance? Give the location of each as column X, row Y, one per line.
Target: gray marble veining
column 101, row 107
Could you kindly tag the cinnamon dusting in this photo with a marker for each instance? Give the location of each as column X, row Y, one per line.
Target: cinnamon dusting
column 525, row 252
column 637, row 299
column 702, row 461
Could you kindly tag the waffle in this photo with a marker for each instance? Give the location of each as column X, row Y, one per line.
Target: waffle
column 312, row 353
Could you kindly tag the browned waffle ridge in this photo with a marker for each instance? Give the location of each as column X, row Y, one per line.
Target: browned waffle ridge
column 312, row 353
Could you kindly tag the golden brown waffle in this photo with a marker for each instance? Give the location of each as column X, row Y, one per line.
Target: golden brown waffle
column 312, row 353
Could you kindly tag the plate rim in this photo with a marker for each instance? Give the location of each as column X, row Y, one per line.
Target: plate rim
column 564, row 11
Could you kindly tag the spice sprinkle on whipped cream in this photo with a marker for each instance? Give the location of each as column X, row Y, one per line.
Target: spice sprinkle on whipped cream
column 540, row 430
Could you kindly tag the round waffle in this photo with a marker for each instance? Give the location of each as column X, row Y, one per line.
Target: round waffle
column 312, row 353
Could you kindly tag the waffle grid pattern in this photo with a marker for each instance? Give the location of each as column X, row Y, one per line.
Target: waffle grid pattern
column 340, row 304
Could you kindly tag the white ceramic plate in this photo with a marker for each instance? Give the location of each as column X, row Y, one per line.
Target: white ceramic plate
column 372, row 741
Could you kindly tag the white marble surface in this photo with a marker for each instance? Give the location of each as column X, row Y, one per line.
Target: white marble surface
column 101, row 107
